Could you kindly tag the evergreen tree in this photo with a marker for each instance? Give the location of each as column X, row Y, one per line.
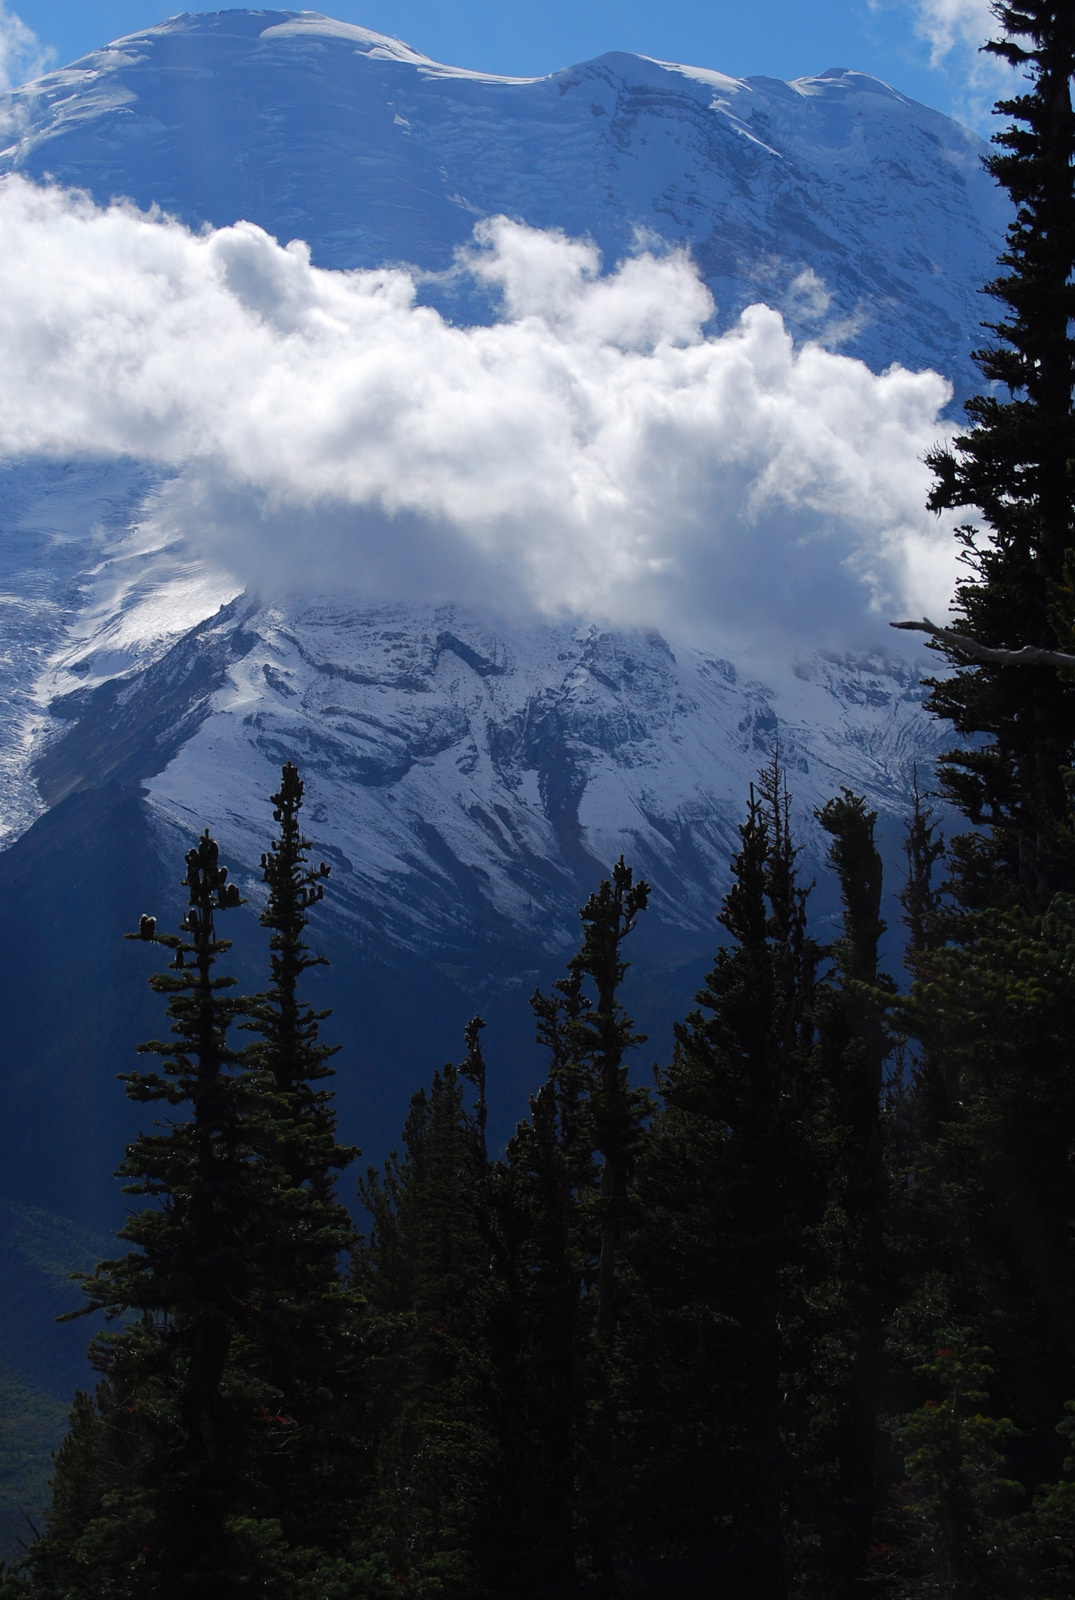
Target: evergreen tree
column 992, row 1205
column 473, row 1069
column 550, row 1170
column 921, row 901
column 1014, row 466
column 733, row 1189
column 300, row 1340
column 602, row 1035
column 291, row 1058
column 609, row 1115
column 852, row 1052
column 424, row 1270
column 223, row 1447
column 169, row 1417
column 957, row 1495
column 495, row 1294
column 761, row 1258
column 997, row 1013
column 987, row 1236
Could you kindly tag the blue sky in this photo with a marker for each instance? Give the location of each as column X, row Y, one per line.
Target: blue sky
column 925, row 48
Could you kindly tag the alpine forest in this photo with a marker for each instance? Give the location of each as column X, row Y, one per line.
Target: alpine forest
column 790, row 1316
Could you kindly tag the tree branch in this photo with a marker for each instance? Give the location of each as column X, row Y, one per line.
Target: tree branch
column 1028, row 656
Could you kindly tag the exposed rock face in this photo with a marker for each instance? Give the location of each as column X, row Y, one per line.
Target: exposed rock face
column 468, row 781
column 461, row 777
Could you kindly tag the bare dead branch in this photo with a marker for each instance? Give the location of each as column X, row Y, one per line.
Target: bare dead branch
column 1028, row 656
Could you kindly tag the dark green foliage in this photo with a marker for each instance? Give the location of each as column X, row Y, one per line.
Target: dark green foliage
column 291, row 1059
column 601, row 1036
column 988, row 1212
column 300, row 1341
column 933, row 1095
column 772, row 1330
column 957, row 1501
column 764, row 1193
column 852, row 1053
column 732, row 1186
column 601, row 1118
column 997, row 1011
column 423, row 1270
column 221, row 1448
column 1014, row 466
column 495, row 1290
column 1042, row 1540
column 169, row 1410
column 986, row 1243
column 543, row 1206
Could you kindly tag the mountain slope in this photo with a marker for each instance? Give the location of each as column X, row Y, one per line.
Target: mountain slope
column 467, row 784
column 469, row 775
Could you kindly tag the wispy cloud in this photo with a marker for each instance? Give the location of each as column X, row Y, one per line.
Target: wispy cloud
column 22, row 55
column 956, row 30
column 595, row 451
column 949, row 24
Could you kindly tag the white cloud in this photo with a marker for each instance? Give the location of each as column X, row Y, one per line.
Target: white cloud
column 948, row 23
column 956, row 30
column 808, row 296
column 595, row 451
column 22, row 55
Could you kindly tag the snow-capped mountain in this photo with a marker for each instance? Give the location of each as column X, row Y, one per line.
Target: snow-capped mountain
column 469, row 773
column 468, row 783
column 864, row 216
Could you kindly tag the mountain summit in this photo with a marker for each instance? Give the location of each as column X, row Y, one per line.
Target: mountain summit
column 862, row 215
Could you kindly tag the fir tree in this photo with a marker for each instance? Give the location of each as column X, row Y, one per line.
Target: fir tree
column 853, row 1047
column 958, row 1497
column 424, row 1270
column 992, row 1202
column 291, row 1058
column 495, row 1294
column 1014, row 466
column 609, row 1115
column 602, row 1036
column 223, row 1447
column 997, row 1013
column 922, row 914
column 169, row 1419
column 549, row 1172
column 732, row 1189
column 300, row 1340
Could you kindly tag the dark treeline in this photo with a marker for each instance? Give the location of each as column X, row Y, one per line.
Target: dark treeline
column 794, row 1322
column 793, row 1316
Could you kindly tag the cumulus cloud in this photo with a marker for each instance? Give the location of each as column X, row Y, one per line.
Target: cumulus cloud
column 22, row 55
column 595, row 451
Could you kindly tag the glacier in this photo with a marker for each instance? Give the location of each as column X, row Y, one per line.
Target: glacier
column 863, row 216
